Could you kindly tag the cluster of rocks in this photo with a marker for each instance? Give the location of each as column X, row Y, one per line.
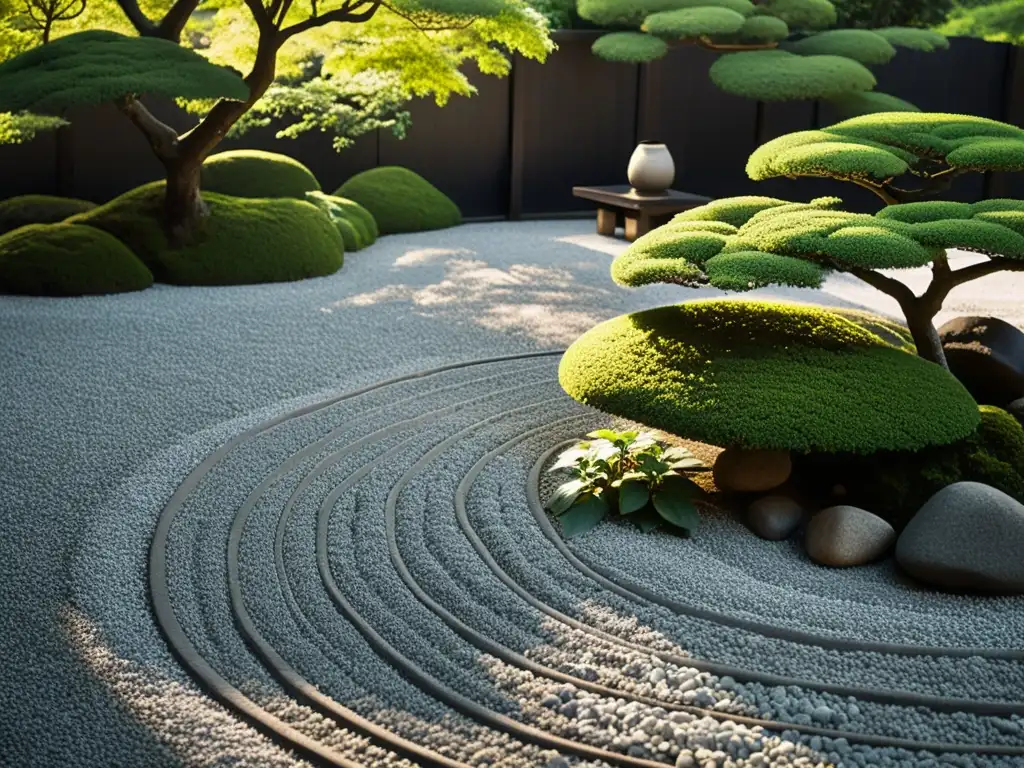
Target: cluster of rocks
column 968, row 536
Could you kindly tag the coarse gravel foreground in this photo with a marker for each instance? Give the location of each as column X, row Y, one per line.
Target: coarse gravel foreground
column 312, row 509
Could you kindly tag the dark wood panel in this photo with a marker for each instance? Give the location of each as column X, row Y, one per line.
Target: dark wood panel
column 462, row 148
column 574, row 124
column 111, row 155
column 709, row 133
column 29, row 168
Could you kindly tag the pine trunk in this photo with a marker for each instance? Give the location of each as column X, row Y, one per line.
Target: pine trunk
column 926, row 338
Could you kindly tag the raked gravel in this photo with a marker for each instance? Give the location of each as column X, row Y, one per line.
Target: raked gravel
column 110, row 401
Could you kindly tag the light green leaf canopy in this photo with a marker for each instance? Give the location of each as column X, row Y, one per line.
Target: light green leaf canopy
column 97, row 66
column 885, row 145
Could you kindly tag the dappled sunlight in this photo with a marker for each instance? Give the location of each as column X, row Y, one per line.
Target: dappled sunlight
column 173, row 711
column 594, row 242
column 536, row 321
column 416, row 256
column 539, row 301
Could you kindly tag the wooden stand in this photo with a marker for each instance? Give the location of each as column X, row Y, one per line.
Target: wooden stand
column 640, row 212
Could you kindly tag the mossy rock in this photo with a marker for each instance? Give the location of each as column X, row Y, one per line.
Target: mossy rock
column 400, row 200
column 356, row 224
column 68, row 260
column 39, row 209
column 769, row 376
column 895, row 484
column 254, row 173
column 241, row 241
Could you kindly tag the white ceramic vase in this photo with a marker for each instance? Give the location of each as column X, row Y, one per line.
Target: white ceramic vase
column 651, row 168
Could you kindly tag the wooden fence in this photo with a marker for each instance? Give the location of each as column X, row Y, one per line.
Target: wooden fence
column 517, row 148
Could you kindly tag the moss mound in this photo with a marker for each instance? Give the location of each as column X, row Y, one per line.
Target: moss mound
column 68, row 260
column 242, row 241
column 38, row 209
column 400, row 200
column 760, row 375
column 253, row 173
column 895, row 484
column 355, row 224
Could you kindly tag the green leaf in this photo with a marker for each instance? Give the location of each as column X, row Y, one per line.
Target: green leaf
column 584, row 515
column 651, row 465
column 633, row 496
column 604, row 434
column 565, row 495
column 646, row 520
column 568, row 458
column 674, row 502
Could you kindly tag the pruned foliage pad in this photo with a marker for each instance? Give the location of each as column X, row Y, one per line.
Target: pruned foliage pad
column 96, row 66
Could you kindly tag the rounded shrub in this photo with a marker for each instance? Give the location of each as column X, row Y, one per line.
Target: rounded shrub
column 356, row 224
column 241, row 241
column 400, row 200
column 775, row 376
column 68, row 260
column 38, row 209
column 254, row 173
column 896, row 484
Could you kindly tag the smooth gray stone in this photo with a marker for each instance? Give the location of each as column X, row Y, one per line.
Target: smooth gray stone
column 774, row 517
column 966, row 536
column 845, row 535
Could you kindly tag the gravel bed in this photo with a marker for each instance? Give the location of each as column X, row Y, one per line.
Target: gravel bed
column 113, row 400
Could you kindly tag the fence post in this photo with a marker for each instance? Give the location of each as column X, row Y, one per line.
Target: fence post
column 516, row 132
column 998, row 184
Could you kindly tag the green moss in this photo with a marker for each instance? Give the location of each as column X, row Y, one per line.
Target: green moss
column 801, row 14
column 68, row 260
column 926, row 40
column 241, row 241
column 896, row 484
column 629, row 47
column 96, row 66
column 686, row 23
column 254, row 173
column 38, row 209
column 857, row 44
column 356, row 224
column 400, row 200
column 762, row 375
column 775, row 75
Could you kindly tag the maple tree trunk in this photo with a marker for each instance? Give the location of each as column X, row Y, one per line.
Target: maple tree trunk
column 184, row 208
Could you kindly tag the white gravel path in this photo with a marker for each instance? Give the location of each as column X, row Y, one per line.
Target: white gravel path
column 110, row 401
